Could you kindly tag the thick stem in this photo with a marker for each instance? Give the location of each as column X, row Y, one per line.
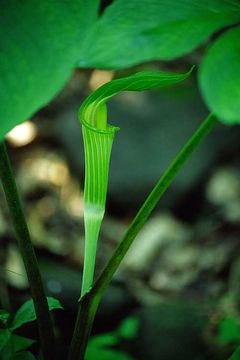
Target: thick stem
column 28, row 255
column 87, row 309
column 86, row 313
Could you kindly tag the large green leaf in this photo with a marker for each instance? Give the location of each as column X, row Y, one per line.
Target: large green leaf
column 132, row 31
column 39, row 47
column 219, row 77
column 26, row 312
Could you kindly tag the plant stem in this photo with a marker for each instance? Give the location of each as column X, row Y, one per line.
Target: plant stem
column 28, row 255
column 89, row 303
column 87, row 309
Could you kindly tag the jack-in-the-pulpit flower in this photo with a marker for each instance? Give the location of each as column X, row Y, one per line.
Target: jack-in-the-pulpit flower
column 98, row 138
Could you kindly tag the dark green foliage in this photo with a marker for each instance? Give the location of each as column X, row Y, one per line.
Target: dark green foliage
column 11, row 345
column 26, row 313
column 101, row 347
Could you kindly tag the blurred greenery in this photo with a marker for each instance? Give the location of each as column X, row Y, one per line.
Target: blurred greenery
column 229, row 330
column 101, row 346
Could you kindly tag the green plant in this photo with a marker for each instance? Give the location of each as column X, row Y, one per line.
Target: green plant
column 98, row 137
column 95, row 129
column 71, row 35
column 12, row 345
column 97, row 154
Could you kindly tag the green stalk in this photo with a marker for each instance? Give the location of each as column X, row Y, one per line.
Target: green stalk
column 28, row 255
column 89, row 303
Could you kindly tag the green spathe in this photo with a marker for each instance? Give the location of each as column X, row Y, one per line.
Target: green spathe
column 98, row 138
column 97, row 148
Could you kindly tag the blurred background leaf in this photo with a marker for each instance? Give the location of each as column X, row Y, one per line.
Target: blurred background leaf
column 101, row 347
column 229, row 330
